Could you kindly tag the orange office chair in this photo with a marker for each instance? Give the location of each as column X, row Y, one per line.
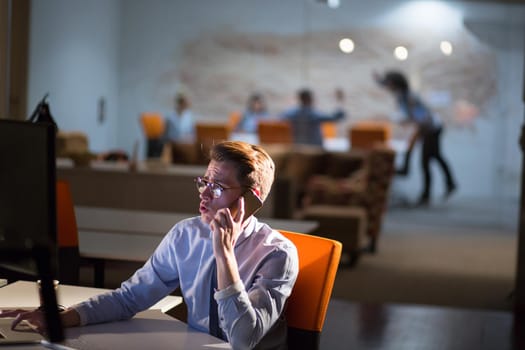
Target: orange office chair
column 274, row 131
column 153, row 127
column 208, row 134
column 234, row 118
column 369, row 134
column 329, row 130
column 67, row 235
column 306, row 310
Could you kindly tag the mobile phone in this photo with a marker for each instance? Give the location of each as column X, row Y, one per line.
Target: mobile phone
column 252, row 203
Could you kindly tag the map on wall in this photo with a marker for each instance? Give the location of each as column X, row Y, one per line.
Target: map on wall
column 218, row 71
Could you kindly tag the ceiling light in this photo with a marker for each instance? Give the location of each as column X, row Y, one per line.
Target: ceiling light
column 401, row 53
column 446, row 47
column 333, row 4
column 346, row 45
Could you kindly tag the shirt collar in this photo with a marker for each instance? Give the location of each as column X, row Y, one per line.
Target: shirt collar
column 249, row 229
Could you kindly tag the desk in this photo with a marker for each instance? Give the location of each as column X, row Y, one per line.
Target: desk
column 133, row 235
column 23, row 293
column 148, row 329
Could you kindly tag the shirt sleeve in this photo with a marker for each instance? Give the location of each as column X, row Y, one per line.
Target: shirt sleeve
column 335, row 116
column 147, row 286
column 288, row 114
column 246, row 313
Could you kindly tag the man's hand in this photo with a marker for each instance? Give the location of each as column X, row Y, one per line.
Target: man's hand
column 225, row 230
column 34, row 318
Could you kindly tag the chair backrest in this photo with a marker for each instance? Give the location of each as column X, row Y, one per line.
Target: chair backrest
column 67, row 235
column 274, row 131
column 306, row 310
column 369, row 134
column 152, row 124
column 211, row 133
column 234, row 118
column 329, row 130
column 208, row 134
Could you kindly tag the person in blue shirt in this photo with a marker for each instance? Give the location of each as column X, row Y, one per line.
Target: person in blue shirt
column 180, row 124
column 235, row 272
column 428, row 130
column 255, row 111
column 306, row 120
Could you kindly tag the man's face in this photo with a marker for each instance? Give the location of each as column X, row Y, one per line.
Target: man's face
column 223, row 174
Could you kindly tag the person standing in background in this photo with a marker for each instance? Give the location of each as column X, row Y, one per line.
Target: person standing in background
column 306, row 120
column 255, row 111
column 180, row 124
column 428, row 130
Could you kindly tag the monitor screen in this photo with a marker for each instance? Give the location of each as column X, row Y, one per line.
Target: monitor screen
column 28, row 209
column 27, row 193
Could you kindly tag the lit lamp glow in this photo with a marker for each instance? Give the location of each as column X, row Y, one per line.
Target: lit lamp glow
column 446, row 47
column 401, row 53
column 333, row 4
column 346, row 45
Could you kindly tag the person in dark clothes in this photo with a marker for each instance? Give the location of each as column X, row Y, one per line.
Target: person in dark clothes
column 428, row 130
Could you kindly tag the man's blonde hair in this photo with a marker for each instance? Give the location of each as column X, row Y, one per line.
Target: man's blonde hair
column 255, row 167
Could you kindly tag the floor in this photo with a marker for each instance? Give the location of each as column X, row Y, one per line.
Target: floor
column 371, row 319
column 406, row 327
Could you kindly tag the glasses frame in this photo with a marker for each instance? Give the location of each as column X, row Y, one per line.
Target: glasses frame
column 215, row 188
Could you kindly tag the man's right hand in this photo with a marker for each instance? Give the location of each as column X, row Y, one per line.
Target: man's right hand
column 35, row 318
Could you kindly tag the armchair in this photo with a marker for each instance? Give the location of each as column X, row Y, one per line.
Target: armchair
column 367, row 188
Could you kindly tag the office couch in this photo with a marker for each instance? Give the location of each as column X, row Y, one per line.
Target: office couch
column 367, row 188
column 296, row 167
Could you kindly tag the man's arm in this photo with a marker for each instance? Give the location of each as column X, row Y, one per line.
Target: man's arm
column 247, row 313
column 70, row 318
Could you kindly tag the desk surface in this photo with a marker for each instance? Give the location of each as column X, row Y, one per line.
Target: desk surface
column 24, row 294
column 148, row 329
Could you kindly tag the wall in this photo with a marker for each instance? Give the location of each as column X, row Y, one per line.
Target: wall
column 153, row 49
column 74, row 57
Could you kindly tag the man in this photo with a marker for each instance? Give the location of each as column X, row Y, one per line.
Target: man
column 255, row 111
column 306, row 120
column 429, row 129
column 180, row 124
column 256, row 267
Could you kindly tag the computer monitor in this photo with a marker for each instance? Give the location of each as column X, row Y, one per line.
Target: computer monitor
column 27, row 191
column 28, row 240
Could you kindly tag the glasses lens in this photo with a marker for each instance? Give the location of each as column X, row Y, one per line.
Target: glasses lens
column 216, row 190
column 201, row 184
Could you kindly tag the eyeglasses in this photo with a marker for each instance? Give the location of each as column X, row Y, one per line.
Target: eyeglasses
column 214, row 187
